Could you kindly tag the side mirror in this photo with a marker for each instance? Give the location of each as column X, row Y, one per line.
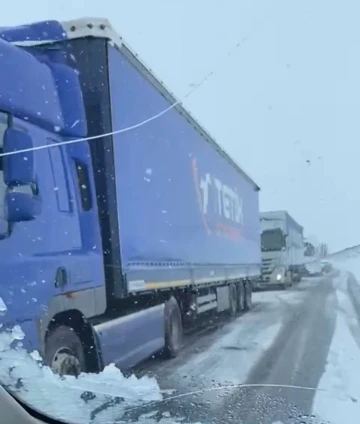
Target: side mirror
column 19, row 168
column 21, row 207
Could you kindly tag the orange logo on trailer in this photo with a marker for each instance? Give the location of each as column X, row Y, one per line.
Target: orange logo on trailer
column 227, row 210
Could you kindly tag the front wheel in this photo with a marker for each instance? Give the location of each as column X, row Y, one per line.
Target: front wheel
column 64, row 352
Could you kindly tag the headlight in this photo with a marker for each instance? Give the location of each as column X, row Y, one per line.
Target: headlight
column 278, row 277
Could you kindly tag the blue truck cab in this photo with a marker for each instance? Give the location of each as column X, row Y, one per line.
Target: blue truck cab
column 50, row 233
column 111, row 241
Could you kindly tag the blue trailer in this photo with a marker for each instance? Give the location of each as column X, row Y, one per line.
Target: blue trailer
column 110, row 247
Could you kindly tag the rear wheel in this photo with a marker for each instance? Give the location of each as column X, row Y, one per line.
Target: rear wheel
column 248, row 296
column 64, row 352
column 173, row 329
column 241, row 296
column 233, row 300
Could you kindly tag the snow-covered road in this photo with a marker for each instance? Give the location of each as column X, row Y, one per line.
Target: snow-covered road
column 308, row 336
column 227, row 356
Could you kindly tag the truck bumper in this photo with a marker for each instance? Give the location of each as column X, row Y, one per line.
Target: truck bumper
column 269, row 283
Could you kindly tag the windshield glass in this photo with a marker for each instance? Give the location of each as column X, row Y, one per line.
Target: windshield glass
column 179, row 235
column 272, row 241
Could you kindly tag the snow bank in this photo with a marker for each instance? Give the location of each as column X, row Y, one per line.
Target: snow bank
column 348, row 261
column 339, row 402
column 89, row 398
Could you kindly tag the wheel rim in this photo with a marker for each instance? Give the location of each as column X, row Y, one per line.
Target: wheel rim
column 65, row 363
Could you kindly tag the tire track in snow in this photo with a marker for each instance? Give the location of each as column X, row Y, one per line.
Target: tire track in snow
column 231, row 356
column 231, row 353
column 297, row 357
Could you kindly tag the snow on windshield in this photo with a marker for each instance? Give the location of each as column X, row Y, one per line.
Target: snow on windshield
column 88, row 398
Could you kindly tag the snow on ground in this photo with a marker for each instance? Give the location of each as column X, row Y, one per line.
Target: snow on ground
column 288, row 297
column 237, row 347
column 89, row 398
column 348, row 260
column 103, row 397
column 338, row 400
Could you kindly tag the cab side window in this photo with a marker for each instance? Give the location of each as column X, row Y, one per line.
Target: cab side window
column 60, row 179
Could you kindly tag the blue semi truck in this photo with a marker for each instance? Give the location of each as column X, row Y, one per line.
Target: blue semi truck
column 109, row 247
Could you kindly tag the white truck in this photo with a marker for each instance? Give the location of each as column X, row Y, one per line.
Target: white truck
column 282, row 249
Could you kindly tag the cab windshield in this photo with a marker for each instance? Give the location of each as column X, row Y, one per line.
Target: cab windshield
column 272, row 240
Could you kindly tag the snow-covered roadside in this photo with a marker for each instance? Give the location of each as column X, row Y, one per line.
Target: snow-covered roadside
column 347, row 261
column 89, row 398
column 338, row 400
column 103, row 397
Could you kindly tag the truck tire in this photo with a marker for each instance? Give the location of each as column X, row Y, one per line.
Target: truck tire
column 289, row 278
column 233, row 300
column 173, row 329
column 248, row 295
column 64, row 352
column 241, row 296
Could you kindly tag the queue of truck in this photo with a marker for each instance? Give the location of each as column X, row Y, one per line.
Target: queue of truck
column 116, row 236
column 282, row 246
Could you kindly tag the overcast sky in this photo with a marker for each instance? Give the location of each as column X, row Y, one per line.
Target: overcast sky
column 285, row 104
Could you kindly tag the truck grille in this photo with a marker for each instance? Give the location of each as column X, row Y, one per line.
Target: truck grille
column 266, row 269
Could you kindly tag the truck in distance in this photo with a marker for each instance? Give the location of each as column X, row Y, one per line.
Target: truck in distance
column 282, row 249
column 109, row 247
